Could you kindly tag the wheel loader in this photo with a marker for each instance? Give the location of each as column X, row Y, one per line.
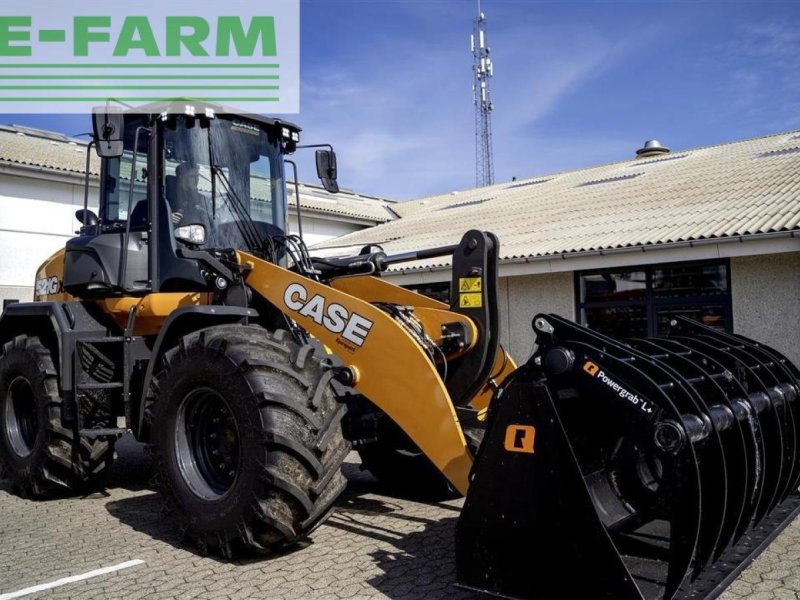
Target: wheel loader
column 184, row 312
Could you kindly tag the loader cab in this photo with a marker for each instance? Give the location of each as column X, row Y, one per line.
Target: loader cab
column 176, row 180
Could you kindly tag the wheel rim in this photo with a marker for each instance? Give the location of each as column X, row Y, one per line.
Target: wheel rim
column 21, row 418
column 207, row 444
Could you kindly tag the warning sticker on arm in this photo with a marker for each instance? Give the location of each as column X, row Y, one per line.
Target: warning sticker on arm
column 470, row 300
column 470, row 284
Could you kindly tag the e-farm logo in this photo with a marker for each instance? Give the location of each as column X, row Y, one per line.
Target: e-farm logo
column 70, row 56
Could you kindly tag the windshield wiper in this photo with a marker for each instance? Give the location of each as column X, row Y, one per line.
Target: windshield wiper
column 245, row 222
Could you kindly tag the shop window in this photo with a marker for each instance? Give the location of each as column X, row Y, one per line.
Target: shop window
column 641, row 301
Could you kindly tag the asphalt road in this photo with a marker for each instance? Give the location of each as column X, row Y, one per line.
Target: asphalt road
column 374, row 546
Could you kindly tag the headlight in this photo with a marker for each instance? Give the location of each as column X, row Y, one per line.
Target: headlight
column 191, row 234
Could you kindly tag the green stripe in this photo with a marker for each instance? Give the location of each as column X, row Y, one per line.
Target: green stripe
column 135, row 98
column 231, row 76
column 138, row 66
column 52, row 35
column 138, row 87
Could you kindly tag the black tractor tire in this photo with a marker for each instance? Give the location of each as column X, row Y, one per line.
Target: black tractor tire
column 39, row 454
column 247, row 439
column 401, row 467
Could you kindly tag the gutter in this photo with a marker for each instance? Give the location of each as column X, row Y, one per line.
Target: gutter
column 28, row 170
column 754, row 237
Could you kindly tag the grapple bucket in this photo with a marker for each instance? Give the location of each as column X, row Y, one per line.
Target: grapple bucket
column 649, row 468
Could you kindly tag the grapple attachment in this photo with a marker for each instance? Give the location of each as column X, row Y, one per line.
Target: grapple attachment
column 649, row 468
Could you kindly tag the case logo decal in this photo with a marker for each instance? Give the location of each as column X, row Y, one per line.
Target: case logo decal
column 332, row 316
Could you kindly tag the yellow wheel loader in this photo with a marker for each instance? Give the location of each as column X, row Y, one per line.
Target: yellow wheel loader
column 186, row 313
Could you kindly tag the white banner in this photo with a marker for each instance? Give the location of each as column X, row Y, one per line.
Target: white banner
column 61, row 56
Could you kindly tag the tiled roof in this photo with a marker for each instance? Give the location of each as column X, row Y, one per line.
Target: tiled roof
column 345, row 203
column 736, row 189
column 50, row 150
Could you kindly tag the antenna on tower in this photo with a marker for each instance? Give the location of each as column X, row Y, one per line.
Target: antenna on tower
column 483, row 70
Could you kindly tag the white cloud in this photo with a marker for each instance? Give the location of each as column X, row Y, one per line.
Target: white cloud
column 404, row 126
column 763, row 84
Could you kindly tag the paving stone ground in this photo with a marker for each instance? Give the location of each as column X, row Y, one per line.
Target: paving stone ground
column 374, row 546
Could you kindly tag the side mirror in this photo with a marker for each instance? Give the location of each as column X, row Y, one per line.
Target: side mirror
column 108, row 131
column 326, row 170
column 86, row 217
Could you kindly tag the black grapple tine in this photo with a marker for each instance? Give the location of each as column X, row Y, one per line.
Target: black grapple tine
column 785, row 373
column 769, row 374
column 647, row 469
column 701, row 374
column 638, row 371
column 770, row 423
column 675, row 500
column 529, row 524
column 714, row 474
column 726, row 389
column 789, row 375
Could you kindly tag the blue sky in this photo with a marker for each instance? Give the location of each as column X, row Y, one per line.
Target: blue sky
column 576, row 84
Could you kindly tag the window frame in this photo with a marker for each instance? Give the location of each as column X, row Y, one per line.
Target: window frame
column 652, row 304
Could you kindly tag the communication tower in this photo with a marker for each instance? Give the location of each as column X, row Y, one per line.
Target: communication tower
column 482, row 97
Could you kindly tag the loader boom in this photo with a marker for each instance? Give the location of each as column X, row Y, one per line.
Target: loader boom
column 381, row 354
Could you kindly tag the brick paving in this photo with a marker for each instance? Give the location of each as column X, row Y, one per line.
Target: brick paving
column 374, row 546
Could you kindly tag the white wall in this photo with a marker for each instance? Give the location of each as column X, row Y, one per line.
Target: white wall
column 37, row 217
column 318, row 229
column 766, row 300
column 530, row 295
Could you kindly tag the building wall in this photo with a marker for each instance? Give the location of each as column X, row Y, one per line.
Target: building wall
column 766, row 300
column 37, row 217
column 765, row 297
column 525, row 297
column 316, row 229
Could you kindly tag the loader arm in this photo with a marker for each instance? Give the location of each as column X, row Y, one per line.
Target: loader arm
column 372, row 289
column 388, row 365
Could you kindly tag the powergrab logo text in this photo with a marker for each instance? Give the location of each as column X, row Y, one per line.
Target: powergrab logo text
column 595, row 371
column 332, row 316
column 58, row 56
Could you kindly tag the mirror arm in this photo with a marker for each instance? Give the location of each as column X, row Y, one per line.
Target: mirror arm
column 296, row 198
column 123, row 268
column 86, row 182
column 328, row 146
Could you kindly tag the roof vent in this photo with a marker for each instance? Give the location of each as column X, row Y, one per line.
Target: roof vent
column 651, row 148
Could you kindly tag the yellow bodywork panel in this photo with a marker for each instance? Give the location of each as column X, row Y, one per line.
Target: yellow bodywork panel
column 503, row 366
column 151, row 310
column 49, row 285
column 372, row 289
column 392, row 370
column 433, row 319
column 432, row 313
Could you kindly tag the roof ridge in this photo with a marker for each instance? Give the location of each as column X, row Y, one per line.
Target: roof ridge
column 553, row 174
